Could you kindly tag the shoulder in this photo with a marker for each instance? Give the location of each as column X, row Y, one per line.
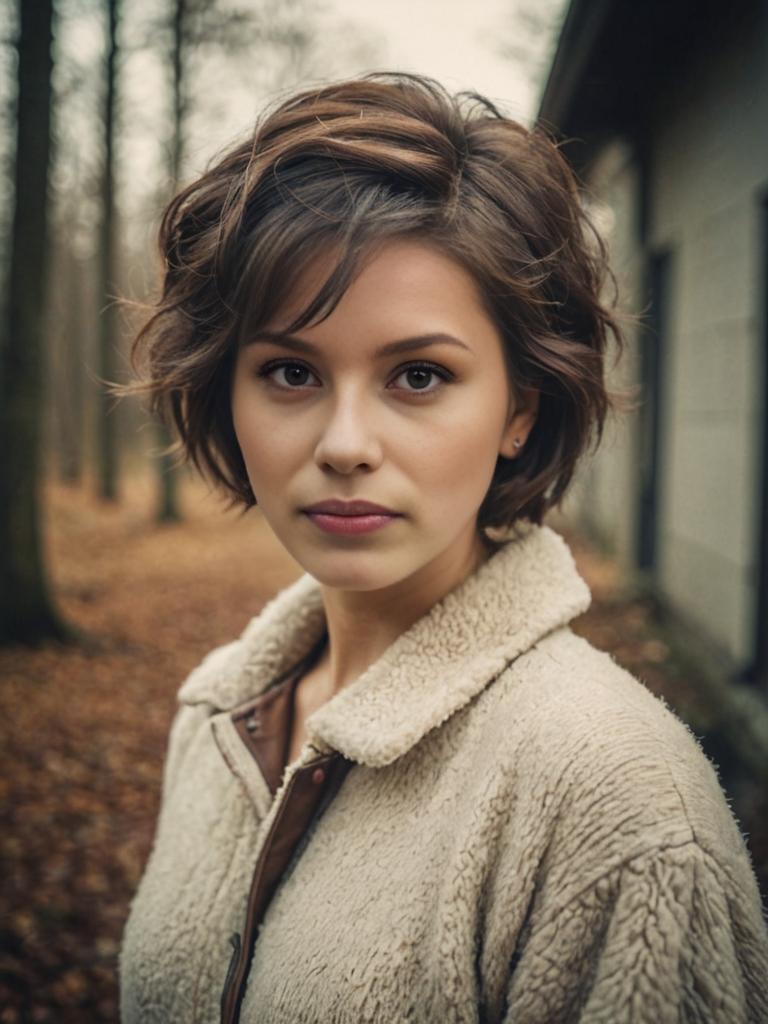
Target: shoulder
column 575, row 690
column 620, row 760
column 569, row 686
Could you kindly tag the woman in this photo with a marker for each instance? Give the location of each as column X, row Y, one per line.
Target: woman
column 409, row 791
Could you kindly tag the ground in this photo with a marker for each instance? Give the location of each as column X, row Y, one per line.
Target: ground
column 84, row 727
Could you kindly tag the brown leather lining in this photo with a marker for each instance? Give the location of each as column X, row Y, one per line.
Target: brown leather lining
column 264, row 726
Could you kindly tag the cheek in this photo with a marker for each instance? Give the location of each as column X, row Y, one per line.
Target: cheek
column 251, row 430
column 457, row 456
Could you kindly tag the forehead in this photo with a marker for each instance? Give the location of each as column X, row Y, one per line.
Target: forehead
column 393, row 283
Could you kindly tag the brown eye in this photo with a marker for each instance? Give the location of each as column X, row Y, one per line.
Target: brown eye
column 295, row 374
column 418, row 376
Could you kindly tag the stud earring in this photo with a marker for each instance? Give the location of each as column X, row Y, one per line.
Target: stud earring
column 517, row 442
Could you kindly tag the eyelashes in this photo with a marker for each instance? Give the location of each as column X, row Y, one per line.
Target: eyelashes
column 445, row 376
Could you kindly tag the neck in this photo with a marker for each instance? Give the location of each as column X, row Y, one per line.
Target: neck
column 363, row 624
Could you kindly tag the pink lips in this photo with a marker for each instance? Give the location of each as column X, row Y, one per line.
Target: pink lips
column 349, row 517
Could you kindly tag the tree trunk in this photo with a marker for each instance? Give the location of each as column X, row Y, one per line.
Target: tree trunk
column 107, row 433
column 74, row 357
column 27, row 612
column 64, row 330
column 168, row 506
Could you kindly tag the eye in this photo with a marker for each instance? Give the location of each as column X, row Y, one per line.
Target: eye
column 417, row 373
column 295, row 375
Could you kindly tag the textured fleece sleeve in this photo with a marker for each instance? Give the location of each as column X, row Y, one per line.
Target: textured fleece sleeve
column 665, row 938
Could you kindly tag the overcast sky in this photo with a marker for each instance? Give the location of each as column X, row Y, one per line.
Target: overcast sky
column 459, row 42
column 462, row 43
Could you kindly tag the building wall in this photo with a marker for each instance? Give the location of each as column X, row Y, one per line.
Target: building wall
column 602, row 498
column 707, row 173
column 709, row 167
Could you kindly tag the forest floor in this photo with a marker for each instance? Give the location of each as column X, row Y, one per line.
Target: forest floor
column 83, row 728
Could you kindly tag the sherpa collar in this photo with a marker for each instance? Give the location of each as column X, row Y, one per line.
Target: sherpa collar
column 522, row 592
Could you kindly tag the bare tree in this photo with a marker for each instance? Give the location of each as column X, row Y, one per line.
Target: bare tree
column 67, row 328
column 107, row 433
column 168, row 506
column 73, row 305
column 27, row 612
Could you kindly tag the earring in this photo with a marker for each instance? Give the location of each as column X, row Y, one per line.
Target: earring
column 517, row 442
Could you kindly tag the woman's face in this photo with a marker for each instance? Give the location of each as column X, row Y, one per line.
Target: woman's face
column 333, row 414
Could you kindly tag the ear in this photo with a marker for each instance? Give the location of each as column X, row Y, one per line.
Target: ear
column 524, row 410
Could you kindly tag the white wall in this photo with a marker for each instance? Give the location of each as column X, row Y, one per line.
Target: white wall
column 710, row 162
column 603, row 497
column 708, row 170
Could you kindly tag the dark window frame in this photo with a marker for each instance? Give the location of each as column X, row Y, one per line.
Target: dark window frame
column 653, row 353
column 758, row 670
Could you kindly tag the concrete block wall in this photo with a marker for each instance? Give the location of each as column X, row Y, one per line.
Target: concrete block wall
column 708, row 173
column 709, row 167
column 603, row 496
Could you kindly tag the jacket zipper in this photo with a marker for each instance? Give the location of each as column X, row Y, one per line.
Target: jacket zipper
column 234, row 940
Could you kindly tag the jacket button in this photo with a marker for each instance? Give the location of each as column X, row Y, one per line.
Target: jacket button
column 318, row 776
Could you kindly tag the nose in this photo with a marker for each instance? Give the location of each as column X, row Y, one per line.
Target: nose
column 348, row 439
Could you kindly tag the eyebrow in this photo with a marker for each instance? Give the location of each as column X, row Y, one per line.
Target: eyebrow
column 403, row 345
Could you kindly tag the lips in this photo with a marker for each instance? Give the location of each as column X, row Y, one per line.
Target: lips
column 336, row 507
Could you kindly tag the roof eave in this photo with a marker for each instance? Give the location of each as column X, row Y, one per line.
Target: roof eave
column 582, row 25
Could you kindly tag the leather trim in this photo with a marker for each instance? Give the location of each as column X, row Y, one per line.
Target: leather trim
column 265, row 728
column 308, row 792
column 264, row 724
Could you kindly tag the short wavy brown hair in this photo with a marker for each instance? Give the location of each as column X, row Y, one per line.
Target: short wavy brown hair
column 349, row 164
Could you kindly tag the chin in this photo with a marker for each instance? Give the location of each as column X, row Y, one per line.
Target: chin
column 355, row 570
column 348, row 578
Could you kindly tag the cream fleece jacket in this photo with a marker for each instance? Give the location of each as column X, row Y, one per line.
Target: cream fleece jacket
column 527, row 835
